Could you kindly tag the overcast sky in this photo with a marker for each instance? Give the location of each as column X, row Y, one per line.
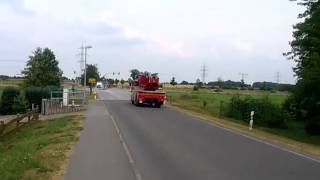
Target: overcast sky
column 172, row 37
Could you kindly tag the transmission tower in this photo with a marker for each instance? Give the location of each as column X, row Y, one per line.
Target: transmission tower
column 242, row 79
column 204, row 71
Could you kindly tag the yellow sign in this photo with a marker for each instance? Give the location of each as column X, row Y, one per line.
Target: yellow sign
column 92, row 81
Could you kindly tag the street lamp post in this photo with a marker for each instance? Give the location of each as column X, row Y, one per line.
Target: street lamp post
column 85, row 65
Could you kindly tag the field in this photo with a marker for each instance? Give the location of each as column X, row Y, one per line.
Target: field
column 19, row 82
column 39, row 150
column 193, row 101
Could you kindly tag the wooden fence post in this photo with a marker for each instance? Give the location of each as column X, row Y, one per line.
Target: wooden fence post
column 1, row 127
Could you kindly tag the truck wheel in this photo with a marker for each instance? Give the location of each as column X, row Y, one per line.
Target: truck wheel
column 136, row 102
column 158, row 105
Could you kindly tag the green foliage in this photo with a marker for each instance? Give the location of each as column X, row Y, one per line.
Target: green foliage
column 306, row 53
column 198, row 83
column 7, row 100
column 266, row 113
column 42, row 69
column 173, row 81
column 116, row 81
column 134, row 73
column 20, row 104
column 204, row 103
column 34, row 95
column 196, row 88
column 184, row 83
column 91, row 72
column 110, row 81
column 122, row 81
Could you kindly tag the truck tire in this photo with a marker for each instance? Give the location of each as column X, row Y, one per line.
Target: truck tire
column 158, row 105
column 136, row 102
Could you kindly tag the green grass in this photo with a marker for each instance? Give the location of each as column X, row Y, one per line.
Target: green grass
column 11, row 82
column 38, row 150
column 296, row 132
column 193, row 101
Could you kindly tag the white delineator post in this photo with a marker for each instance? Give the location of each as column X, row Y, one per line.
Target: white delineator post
column 251, row 120
column 65, row 97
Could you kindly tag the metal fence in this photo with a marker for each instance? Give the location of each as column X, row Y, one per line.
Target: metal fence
column 63, row 102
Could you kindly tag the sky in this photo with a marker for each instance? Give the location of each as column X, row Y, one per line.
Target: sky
column 171, row 37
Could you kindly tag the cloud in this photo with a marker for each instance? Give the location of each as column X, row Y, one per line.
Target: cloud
column 18, row 6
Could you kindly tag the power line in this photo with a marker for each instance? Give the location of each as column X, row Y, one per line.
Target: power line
column 204, row 73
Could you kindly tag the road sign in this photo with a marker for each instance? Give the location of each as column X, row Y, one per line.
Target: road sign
column 92, row 81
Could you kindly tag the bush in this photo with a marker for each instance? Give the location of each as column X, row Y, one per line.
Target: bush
column 312, row 126
column 7, row 99
column 204, row 103
column 34, row 95
column 266, row 113
column 20, row 104
column 195, row 88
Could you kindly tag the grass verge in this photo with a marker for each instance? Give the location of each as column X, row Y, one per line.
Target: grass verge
column 40, row 150
column 264, row 134
column 293, row 137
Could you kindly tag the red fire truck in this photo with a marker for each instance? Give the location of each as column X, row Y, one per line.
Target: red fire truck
column 145, row 90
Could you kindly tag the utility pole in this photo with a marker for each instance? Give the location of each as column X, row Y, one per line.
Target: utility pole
column 85, row 65
column 204, row 73
column 81, row 63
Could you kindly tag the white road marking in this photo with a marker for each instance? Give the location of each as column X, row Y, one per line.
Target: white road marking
column 126, row 149
column 261, row 141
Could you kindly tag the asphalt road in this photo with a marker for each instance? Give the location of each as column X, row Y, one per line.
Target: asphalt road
column 169, row 145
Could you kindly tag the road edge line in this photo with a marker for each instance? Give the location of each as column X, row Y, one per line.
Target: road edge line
column 237, row 132
column 126, row 149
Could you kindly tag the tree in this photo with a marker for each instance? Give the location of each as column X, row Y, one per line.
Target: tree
column 122, row 82
column 91, row 73
column 305, row 51
column 110, row 81
column 220, row 82
column 134, row 73
column 198, row 83
column 173, row 81
column 42, row 69
column 116, row 81
column 184, row 82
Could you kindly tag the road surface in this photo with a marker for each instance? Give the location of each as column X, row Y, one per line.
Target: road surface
column 161, row 144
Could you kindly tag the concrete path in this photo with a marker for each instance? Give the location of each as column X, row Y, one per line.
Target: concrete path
column 99, row 153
